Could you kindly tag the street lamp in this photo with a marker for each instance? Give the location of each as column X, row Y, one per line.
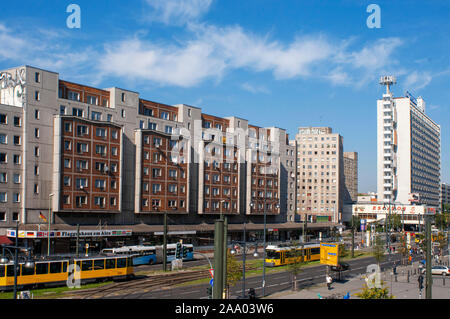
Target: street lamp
column 5, row 260
column 49, row 221
column 233, row 252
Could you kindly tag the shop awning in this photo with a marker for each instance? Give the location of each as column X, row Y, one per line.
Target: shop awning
column 5, row 241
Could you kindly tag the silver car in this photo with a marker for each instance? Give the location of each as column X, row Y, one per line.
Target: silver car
column 438, row 270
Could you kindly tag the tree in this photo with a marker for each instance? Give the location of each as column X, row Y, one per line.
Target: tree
column 442, row 243
column 442, row 220
column 234, row 271
column 375, row 292
column 378, row 250
column 295, row 268
column 395, row 221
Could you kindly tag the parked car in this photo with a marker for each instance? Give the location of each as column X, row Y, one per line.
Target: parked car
column 438, row 270
column 340, row 267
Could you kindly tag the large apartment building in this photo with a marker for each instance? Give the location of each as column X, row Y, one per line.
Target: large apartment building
column 320, row 174
column 409, row 150
column 90, row 154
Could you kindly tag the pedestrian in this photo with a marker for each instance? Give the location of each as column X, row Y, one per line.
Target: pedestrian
column 394, row 270
column 329, row 281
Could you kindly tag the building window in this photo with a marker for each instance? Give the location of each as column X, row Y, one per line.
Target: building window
column 82, row 130
column 36, row 151
column 114, row 151
column 36, row 170
column 62, row 110
column 36, row 188
column 3, row 158
column 100, row 149
column 16, row 198
column 77, row 112
column 15, row 217
column 2, row 216
column 99, row 201
column 66, row 199
column 74, row 96
column 3, row 178
column 109, row 118
column 3, row 197
column 3, row 139
column 165, row 115
column 17, row 121
column 67, row 163
column 123, row 113
column 67, row 145
column 112, row 201
column 36, row 132
column 16, row 159
column 114, row 134
column 16, row 178
column 3, row 119
column 113, row 184
column 123, row 97
column 93, row 100
column 16, row 140
column 100, row 132
column 66, row 181
column 96, row 116
column 37, row 77
column 37, row 96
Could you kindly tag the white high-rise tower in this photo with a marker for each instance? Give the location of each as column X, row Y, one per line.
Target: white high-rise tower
column 409, row 149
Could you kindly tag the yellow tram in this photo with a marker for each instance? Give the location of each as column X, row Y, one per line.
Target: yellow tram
column 280, row 256
column 56, row 272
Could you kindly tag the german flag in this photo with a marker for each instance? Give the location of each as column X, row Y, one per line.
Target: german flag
column 42, row 217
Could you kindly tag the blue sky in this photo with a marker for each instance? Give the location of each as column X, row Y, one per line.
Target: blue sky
column 286, row 63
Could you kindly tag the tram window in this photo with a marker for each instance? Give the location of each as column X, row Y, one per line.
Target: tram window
column 55, row 267
column 273, row 254
column 121, row 263
column 86, row 265
column 315, row 251
column 78, row 266
column 42, row 269
column 170, row 251
column 27, row 271
column 2, row 271
column 110, row 264
column 99, row 264
column 64, row 266
column 10, row 271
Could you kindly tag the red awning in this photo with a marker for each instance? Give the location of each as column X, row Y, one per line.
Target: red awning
column 5, row 241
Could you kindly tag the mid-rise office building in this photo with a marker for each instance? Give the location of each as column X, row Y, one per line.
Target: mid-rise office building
column 409, row 150
column 350, row 177
column 445, row 194
column 320, row 174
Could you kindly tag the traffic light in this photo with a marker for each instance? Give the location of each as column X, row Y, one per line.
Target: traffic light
column 209, row 291
column 185, row 251
column 178, row 251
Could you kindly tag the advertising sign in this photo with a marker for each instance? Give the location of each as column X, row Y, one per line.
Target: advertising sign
column 329, row 254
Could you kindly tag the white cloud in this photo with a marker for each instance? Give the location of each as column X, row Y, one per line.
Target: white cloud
column 11, row 46
column 417, row 81
column 177, row 12
column 255, row 89
column 181, row 66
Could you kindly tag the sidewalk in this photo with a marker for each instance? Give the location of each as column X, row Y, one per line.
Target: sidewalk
column 402, row 289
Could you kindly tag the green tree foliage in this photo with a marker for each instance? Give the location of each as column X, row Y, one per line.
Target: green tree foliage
column 295, row 268
column 234, row 270
column 378, row 250
column 442, row 220
column 375, row 293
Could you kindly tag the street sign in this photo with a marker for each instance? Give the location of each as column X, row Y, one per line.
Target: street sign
column 211, row 282
column 211, row 273
column 329, row 254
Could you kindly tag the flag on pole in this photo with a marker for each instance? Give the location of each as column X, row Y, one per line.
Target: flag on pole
column 42, row 217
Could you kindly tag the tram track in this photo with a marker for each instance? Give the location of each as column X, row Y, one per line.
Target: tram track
column 144, row 284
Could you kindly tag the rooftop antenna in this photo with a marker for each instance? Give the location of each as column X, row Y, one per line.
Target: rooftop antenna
column 388, row 80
